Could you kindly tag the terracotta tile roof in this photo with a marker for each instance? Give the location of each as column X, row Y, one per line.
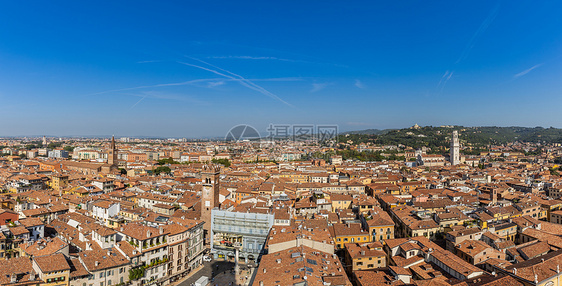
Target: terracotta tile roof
column 140, row 231
column 18, row 230
column 350, row 229
column 403, row 262
column 381, row 276
column 30, row 222
column 291, row 266
column 128, row 249
column 538, row 268
column 77, row 269
column 51, row 263
column 535, row 249
column 95, row 260
column 44, row 247
column 22, row 267
column 355, row 251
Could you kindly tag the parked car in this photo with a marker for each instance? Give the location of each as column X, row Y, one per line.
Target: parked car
column 207, row 258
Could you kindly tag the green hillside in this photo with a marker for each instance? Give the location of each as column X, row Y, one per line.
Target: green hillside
column 437, row 138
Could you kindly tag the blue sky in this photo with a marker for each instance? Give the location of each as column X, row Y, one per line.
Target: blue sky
column 197, row 68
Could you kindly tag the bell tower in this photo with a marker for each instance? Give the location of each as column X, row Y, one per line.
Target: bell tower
column 112, row 153
column 454, row 155
column 210, row 177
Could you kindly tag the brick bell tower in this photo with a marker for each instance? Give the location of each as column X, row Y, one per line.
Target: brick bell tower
column 210, row 177
column 112, row 154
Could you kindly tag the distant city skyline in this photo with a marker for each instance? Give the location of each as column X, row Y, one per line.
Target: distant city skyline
column 195, row 70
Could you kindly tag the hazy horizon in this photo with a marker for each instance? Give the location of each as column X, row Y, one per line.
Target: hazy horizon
column 264, row 133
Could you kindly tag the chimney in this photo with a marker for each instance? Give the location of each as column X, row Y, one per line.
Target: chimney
column 121, row 229
column 264, row 270
column 13, row 278
column 363, row 252
column 97, row 263
column 32, row 276
column 148, row 233
column 161, row 230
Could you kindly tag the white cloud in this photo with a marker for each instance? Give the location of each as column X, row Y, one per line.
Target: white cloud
column 197, row 82
column 212, row 84
column 257, row 58
column 526, row 71
column 359, row 84
column 444, row 79
column 481, row 29
column 238, row 78
column 319, row 86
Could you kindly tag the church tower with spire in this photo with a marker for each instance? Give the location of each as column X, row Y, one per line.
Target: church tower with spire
column 111, row 165
column 112, row 153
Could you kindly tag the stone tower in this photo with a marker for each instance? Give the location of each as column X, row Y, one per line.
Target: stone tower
column 210, row 177
column 494, row 196
column 454, row 156
column 112, row 153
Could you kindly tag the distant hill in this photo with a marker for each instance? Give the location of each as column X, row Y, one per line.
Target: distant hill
column 438, row 137
column 369, row 131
